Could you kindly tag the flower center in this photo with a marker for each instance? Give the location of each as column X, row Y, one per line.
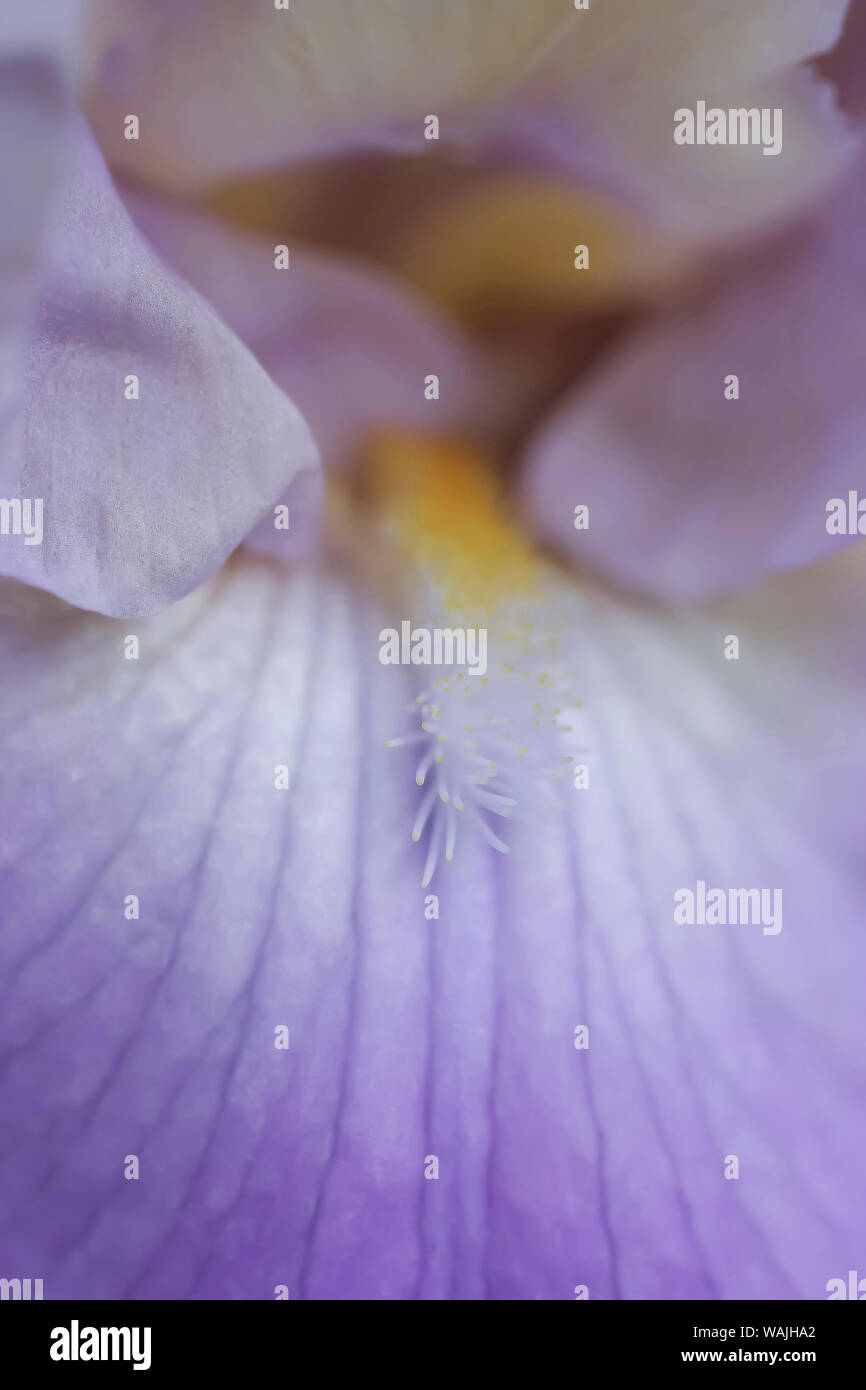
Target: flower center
column 488, row 747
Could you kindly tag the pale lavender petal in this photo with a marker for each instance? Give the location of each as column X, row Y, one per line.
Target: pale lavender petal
column 689, row 492
column 412, row 1038
column 141, row 497
column 355, row 349
column 35, row 116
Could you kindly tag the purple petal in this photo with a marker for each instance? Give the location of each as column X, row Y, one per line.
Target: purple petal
column 690, row 493
column 34, row 127
column 142, row 498
column 352, row 345
column 50, row 32
column 409, row 1037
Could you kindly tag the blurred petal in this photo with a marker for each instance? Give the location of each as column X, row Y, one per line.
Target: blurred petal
column 601, row 110
column 142, row 497
column 508, row 246
column 691, row 493
column 486, row 222
column 485, row 241
column 154, row 1036
column 277, row 85
column 597, row 103
column 50, row 32
column 352, row 346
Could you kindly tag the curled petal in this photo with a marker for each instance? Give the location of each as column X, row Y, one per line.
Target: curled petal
column 353, row 347
column 144, row 434
column 709, row 449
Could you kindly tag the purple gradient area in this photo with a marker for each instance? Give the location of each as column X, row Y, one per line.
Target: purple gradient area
column 411, row 1038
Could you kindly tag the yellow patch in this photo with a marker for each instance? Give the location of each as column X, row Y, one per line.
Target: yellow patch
column 508, row 247
column 439, row 504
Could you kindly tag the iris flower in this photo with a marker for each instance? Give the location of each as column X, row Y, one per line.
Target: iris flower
column 335, row 979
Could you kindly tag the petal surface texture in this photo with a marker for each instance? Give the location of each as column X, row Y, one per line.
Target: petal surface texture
column 143, row 431
column 150, row 1034
column 350, row 344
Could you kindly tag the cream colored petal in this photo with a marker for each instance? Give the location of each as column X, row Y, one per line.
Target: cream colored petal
column 225, row 85
column 602, row 107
